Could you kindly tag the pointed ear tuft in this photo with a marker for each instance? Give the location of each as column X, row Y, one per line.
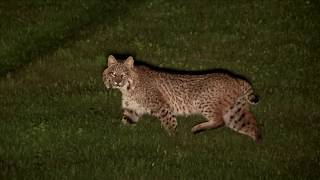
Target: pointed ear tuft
column 111, row 60
column 129, row 62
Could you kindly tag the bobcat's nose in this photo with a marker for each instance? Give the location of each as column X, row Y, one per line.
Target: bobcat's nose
column 117, row 80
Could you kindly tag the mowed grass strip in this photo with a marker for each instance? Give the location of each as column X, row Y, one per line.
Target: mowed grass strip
column 31, row 29
column 59, row 122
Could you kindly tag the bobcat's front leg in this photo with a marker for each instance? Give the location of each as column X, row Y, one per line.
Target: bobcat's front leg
column 129, row 117
column 168, row 120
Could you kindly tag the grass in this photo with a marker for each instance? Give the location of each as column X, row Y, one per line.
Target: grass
column 57, row 121
column 34, row 28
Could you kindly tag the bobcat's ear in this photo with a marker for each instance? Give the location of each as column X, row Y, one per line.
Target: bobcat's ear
column 129, row 62
column 111, row 60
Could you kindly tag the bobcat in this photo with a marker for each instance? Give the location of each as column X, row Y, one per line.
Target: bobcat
column 221, row 98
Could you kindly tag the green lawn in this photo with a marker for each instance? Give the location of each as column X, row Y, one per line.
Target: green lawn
column 57, row 121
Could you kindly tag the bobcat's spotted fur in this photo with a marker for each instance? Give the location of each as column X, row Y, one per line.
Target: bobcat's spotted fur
column 221, row 98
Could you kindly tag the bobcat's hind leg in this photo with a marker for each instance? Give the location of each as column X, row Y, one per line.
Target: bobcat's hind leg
column 205, row 126
column 214, row 121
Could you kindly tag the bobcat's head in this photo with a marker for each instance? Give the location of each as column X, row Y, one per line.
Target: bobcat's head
column 118, row 75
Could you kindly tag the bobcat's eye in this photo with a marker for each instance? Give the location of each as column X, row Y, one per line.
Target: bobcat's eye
column 123, row 75
column 113, row 74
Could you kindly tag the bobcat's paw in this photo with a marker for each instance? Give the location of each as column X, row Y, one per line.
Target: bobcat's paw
column 127, row 121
